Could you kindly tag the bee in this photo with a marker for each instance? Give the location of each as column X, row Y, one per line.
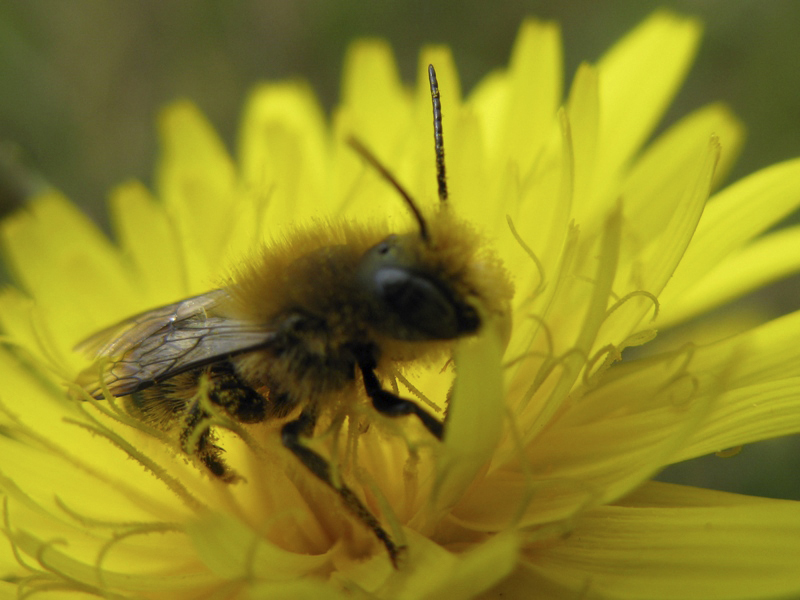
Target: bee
column 308, row 322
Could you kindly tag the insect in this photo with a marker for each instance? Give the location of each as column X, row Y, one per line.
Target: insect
column 306, row 323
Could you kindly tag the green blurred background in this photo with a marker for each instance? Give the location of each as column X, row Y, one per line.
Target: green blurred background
column 81, row 82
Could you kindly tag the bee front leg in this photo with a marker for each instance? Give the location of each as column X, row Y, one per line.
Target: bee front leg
column 303, row 426
column 391, row 405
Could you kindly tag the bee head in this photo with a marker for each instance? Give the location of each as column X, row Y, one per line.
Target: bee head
column 408, row 296
column 416, row 285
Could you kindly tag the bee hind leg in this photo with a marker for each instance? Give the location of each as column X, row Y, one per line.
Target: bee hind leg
column 303, row 426
column 207, row 452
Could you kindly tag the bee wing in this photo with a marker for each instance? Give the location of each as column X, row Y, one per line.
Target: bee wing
column 159, row 343
column 121, row 336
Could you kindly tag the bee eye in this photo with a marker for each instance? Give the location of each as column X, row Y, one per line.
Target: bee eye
column 417, row 302
column 408, row 302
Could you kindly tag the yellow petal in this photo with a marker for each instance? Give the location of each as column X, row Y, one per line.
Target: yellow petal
column 583, row 108
column 480, row 568
column 576, row 315
column 748, row 414
column 638, row 78
column 517, row 498
column 767, row 353
column 431, row 572
column 76, row 574
column 517, row 107
column 57, row 252
column 682, row 543
column 760, row 263
column 650, row 186
column 535, row 82
column 371, row 89
column 196, row 181
column 758, row 374
column 608, row 441
column 283, row 154
column 304, row 589
column 149, row 240
column 734, row 216
column 664, row 256
column 543, row 227
column 474, row 419
column 234, row 551
column 653, row 265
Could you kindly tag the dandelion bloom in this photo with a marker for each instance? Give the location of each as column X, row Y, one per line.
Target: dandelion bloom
column 540, row 488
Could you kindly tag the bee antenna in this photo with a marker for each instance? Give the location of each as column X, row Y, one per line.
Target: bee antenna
column 438, row 139
column 378, row 166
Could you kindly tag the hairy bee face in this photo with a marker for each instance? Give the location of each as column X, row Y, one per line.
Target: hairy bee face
column 408, row 303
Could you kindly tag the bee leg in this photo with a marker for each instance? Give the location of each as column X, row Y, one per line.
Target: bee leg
column 205, row 449
column 303, row 426
column 236, row 396
column 391, row 405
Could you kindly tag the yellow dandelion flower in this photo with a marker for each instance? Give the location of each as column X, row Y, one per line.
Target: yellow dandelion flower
column 540, row 486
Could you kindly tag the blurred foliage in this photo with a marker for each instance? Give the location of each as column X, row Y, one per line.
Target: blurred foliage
column 81, row 83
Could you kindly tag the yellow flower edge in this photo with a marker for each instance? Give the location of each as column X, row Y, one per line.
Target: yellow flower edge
column 540, row 487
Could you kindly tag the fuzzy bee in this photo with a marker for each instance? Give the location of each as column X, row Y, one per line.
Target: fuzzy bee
column 306, row 323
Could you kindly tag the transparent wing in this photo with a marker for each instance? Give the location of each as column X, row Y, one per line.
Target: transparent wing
column 159, row 343
column 125, row 334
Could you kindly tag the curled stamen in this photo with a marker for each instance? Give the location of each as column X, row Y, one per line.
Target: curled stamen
column 611, row 354
column 143, row 529
column 47, row 546
column 96, row 427
column 39, row 584
column 545, row 328
column 635, row 294
column 548, row 367
column 35, row 365
column 680, row 375
column 15, row 551
column 531, row 254
column 111, row 408
column 88, row 521
column 525, row 468
column 157, row 470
